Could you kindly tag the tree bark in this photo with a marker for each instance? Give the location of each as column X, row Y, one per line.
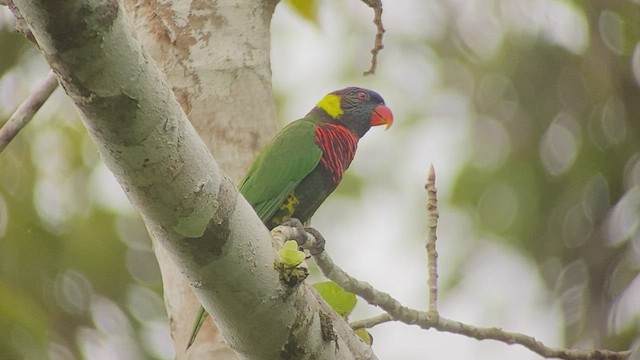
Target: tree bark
column 191, row 208
column 216, row 56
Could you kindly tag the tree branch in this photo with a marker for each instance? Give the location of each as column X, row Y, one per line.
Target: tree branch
column 187, row 203
column 432, row 254
column 27, row 110
column 371, row 322
column 376, row 5
column 185, row 39
column 428, row 320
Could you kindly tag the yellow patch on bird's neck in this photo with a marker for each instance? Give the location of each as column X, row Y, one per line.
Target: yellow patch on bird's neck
column 331, row 104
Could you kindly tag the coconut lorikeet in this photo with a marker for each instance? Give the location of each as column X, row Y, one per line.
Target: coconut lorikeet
column 304, row 163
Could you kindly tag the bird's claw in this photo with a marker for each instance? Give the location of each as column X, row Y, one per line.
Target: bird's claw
column 318, row 246
column 303, row 239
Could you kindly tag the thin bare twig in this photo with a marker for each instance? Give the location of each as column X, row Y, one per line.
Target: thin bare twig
column 371, row 322
column 425, row 320
column 432, row 253
column 27, row 110
column 376, row 5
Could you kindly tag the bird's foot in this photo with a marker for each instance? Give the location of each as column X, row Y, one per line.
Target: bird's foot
column 316, row 247
column 302, row 238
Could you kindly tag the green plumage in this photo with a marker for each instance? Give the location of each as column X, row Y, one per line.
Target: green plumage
column 279, row 169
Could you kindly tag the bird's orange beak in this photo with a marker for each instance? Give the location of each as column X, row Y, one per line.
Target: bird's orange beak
column 381, row 115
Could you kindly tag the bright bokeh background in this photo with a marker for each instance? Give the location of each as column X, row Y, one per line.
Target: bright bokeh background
column 528, row 110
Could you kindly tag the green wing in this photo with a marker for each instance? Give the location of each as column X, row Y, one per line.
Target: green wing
column 280, row 167
column 273, row 176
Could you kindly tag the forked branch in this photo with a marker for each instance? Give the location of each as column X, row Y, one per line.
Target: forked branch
column 394, row 310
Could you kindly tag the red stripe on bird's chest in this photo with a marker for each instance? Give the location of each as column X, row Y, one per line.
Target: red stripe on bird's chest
column 338, row 149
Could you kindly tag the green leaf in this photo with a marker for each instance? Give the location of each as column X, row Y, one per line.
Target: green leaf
column 307, row 9
column 365, row 336
column 340, row 300
column 290, row 256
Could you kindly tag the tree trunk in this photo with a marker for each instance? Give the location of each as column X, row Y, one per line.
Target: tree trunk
column 221, row 76
column 190, row 207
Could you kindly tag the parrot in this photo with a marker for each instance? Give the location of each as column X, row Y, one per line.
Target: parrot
column 304, row 163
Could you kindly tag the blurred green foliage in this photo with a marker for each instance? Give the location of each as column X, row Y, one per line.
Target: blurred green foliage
column 71, row 262
column 553, row 170
column 61, row 250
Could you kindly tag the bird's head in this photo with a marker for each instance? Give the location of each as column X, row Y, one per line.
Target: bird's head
column 357, row 109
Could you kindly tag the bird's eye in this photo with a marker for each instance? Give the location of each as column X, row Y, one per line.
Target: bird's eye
column 362, row 96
